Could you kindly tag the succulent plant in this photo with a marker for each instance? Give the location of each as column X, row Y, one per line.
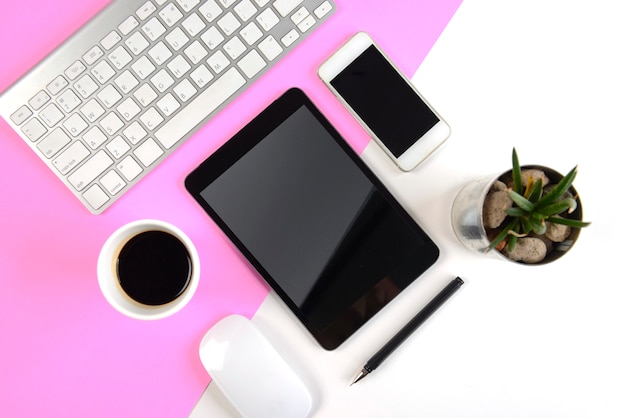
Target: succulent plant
column 533, row 207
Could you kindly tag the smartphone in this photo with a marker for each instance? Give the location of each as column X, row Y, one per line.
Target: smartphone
column 384, row 101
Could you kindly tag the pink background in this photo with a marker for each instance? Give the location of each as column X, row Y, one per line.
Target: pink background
column 64, row 350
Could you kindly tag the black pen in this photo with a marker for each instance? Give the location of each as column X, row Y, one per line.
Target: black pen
column 413, row 324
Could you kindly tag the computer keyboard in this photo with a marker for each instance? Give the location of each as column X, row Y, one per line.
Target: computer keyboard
column 122, row 93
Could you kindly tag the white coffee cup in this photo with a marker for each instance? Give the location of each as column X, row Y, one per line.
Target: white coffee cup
column 108, row 272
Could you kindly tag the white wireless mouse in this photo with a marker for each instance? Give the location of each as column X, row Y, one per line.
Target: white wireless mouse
column 251, row 373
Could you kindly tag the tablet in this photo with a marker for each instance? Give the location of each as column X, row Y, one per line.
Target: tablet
column 315, row 222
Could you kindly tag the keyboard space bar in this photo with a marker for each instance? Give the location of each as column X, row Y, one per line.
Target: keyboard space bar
column 209, row 100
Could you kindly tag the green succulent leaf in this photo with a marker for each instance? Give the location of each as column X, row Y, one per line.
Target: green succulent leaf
column 503, row 234
column 521, row 201
column 536, row 191
column 559, row 207
column 516, row 212
column 574, row 223
column 558, row 191
column 517, row 174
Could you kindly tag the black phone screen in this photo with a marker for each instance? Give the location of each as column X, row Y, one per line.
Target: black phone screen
column 384, row 101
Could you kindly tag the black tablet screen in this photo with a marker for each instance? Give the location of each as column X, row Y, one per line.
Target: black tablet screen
column 317, row 225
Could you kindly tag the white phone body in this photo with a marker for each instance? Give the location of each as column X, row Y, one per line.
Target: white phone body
column 384, row 101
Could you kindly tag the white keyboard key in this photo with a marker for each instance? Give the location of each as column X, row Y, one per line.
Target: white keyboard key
column 89, row 171
column 261, row 3
column 129, row 168
column 20, row 115
column 57, row 85
column 177, row 39
column 112, row 182
column 143, row 67
column 126, row 82
column 53, row 143
column 110, row 40
column 299, row 16
column 128, row 109
column 128, row 25
column 245, row 10
column 92, row 110
column 228, row 23
column 36, row 102
column 145, row 95
column 95, row 197
column 193, row 25
column 218, row 62
column 204, row 104
column 136, row 43
column 170, row 14
column 251, row 64
column 178, row 66
column 85, row 86
column 118, row 147
column 120, row 57
column 103, row 72
column 185, row 90
column 212, row 38
column 111, row 123
column 75, row 124
column 148, row 152
column 160, row 53
column 135, row 133
column 109, row 96
column 323, row 9
column 195, row 52
column 168, row 104
column 151, row 119
column 270, row 48
column 71, row 157
column 34, row 129
column 290, row 37
column 146, row 10
column 234, row 47
column 75, row 70
column 93, row 55
column 51, row 115
column 94, row 137
column 251, row 33
column 68, row 101
column 201, row 76
column 285, row 7
column 227, row 3
column 210, row 10
column 162, row 80
column 267, row 19
column 153, row 29
column 306, row 24
column 187, row 5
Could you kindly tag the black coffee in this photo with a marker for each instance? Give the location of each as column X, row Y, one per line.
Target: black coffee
column 154, row 268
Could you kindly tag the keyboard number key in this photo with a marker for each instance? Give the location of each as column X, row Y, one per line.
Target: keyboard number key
column 136, row 43
column 120, row 57
column 170, row 14
column 68, row 100
column 85, row 86
column 153, row 29
column 103, row 72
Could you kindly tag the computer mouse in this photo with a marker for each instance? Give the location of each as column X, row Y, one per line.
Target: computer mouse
column 251, row 373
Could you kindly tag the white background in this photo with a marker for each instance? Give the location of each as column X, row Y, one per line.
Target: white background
column 548, row 77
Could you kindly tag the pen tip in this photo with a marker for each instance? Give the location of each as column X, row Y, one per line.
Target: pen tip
column 361, row 375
